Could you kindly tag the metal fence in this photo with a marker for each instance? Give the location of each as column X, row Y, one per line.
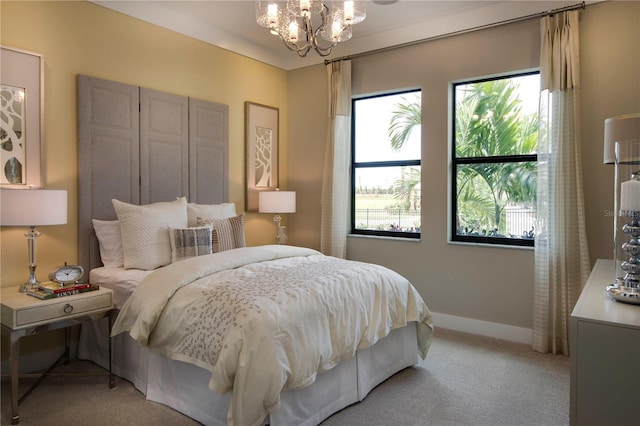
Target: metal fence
column 388, row 219
column 518, row 220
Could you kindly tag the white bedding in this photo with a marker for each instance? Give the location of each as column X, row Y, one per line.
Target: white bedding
column 122, row 281
column 267, row 319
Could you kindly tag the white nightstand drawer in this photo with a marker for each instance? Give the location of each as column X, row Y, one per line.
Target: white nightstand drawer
column 21, row 311
column 64, row 308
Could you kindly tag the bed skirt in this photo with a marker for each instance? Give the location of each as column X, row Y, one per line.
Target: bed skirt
column 184, row 387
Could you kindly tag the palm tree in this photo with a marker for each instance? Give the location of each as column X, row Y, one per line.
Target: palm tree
column 488, row 123
column 406, row 117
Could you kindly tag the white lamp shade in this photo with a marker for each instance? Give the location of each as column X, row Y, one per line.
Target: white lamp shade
column 277, row 202
column 33, row 207
column 619, row 129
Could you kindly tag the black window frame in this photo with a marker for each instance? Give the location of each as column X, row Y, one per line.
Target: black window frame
column 375, row 164
column 474, row 239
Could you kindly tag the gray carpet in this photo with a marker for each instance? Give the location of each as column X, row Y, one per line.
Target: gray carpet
column 465, row 380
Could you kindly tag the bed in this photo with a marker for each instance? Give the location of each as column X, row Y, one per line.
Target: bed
column 223, row 333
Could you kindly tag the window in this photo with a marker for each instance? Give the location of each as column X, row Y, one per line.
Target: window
column 494, row 159
column 386, row 165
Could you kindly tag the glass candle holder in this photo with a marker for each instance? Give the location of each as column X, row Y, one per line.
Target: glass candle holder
column 626, row 239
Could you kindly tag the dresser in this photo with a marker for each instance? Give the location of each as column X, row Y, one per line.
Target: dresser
column 605, row 355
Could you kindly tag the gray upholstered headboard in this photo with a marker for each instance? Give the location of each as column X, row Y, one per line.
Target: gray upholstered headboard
column 142, row 146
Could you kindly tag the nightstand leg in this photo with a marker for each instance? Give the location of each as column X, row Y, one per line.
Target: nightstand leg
column 112, row 380
column 67, row 343
column 14, row 355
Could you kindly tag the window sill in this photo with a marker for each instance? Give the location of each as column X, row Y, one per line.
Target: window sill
column 383, row 237
column 504, row 246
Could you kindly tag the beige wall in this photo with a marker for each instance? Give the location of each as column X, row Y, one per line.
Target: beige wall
column 83, row 38
column 486, row 283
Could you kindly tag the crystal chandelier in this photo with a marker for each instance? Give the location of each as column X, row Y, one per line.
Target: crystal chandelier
column 291, row 20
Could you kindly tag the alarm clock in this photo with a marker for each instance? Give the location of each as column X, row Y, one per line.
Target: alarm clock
column 66, row 274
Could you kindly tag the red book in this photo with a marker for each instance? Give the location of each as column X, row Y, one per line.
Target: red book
column 52, row 287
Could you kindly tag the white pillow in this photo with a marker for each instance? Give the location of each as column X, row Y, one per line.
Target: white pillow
column 190, row 242
column 226, row 234
column 209, row 211
column 145, row 231
column 110, row 241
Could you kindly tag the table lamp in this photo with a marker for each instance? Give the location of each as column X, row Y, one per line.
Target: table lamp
column 32, row 207
column 277, row 202
column 622, row 148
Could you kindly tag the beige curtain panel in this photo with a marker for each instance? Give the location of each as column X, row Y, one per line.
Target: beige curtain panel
column 562, row 263
column 337, row 164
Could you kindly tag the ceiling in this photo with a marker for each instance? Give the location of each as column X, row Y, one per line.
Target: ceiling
column 231, row 25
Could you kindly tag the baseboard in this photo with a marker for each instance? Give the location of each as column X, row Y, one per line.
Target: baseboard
column 484, row 328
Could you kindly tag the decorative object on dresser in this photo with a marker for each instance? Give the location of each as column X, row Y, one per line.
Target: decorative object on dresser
column 33, row 207
column 278, row 202
column 622, row 148
column 292, row 21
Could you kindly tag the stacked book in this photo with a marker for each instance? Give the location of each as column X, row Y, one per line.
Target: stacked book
column 50, row 290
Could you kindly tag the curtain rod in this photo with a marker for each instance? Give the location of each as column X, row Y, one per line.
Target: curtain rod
column 581, row 5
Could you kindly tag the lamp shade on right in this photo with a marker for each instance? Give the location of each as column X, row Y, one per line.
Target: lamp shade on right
column 619, row 129
column 277, row 202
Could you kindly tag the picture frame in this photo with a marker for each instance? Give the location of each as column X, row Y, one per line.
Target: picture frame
column 262, row 139
column 22, row 118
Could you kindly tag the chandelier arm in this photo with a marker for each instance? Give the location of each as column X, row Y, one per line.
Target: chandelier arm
column 322, row 51
column 301, row 51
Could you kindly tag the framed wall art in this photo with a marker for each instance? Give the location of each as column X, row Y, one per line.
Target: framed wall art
column 261, row 133
column 21, row 117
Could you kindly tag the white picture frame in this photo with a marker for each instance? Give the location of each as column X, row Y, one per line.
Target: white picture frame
column 21, row 134
column 262, row 137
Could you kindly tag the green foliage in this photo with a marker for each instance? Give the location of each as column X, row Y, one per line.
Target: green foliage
column 489, row 122
column 406, row 117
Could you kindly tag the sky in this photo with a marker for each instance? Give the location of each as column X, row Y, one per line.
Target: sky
column 372, row 133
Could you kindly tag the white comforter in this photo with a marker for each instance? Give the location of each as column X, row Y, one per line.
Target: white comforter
column 270, row 318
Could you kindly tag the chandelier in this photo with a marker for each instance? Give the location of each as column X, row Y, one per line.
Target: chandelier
column 293, row 21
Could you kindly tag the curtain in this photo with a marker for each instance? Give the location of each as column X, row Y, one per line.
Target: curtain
column 337, row 164
column 562, row 263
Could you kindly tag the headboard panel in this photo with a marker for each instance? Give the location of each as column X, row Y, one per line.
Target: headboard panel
column 142, row 146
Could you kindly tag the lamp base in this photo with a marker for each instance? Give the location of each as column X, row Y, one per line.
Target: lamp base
column 28, row 286
column 281, row 235
column 624, row 294
column 33, row 282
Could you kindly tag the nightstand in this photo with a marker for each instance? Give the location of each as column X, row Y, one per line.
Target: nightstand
column 24, row 315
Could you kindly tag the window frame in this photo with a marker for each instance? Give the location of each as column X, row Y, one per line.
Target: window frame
column 376, row 164
column 455, row 162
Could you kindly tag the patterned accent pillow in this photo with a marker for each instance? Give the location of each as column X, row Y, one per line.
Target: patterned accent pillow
column 226, row 234
column 145, row 240
column 190, row 242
